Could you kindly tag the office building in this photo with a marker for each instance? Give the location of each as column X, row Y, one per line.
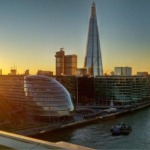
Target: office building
column 40, row 96
column 93, row 58
column 47, row 97
column 60, row 56
column 123, row 71
column 45, row 73
column 81, row 88
column 70, row 83
column 65, row 64
column 142, row 73
column 13, row 72
column 101, row 90
column 27, row 72
column 122, row 90
column 70, row 65
column 81, row 71
column 85, row 93
column 12, row 90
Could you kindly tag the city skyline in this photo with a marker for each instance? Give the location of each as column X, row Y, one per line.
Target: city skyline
column 32, row 31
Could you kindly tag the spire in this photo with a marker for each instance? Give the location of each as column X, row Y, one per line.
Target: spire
column 93, row 58
column 93, row 10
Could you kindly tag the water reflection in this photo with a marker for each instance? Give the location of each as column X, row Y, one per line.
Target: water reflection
column 98, row 135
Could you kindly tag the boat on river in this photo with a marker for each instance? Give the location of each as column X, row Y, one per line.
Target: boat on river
column 121, row 129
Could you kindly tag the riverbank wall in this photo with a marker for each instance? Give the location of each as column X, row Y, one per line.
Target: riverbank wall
column 84, row 122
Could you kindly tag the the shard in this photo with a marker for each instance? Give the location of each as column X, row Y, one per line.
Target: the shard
column 93, row 59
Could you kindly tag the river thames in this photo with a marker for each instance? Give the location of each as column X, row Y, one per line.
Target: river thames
column 98, row 136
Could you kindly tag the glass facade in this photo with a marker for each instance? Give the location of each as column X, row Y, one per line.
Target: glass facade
column 85, row 91
column 123, row 71
column 38, row 96
column 46, row 97
column 93, row 59
column 70, row 83
column 121, row 89
column 12, row 89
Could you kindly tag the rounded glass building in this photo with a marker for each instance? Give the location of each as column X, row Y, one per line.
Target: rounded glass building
column 46, row 97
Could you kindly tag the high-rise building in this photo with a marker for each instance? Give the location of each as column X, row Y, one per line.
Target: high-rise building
column 60, row 62
column 65, row 64
column 123, row 71
column 93, row 59
column 70, row 65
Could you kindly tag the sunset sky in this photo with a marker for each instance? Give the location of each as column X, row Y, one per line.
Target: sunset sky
column 31, row 31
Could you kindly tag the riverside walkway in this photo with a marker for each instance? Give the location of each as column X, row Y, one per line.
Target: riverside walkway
column 15, row 141
column 19, row 142
column 83, row 121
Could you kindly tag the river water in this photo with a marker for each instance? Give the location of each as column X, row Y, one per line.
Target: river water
column 98, row 136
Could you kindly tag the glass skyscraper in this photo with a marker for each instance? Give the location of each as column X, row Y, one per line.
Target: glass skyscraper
column 93, row 59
